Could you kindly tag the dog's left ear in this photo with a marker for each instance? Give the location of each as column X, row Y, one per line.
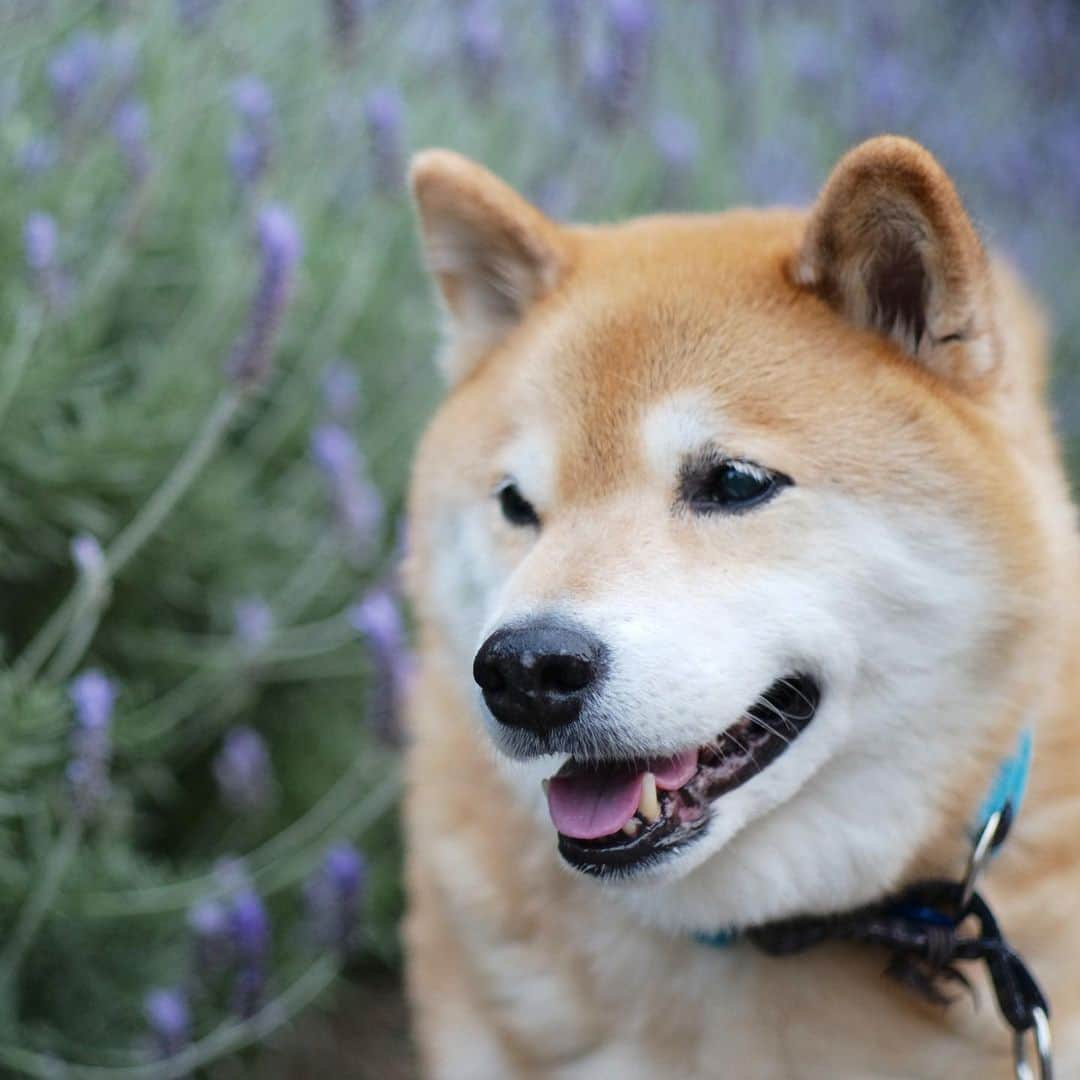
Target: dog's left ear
column 890, row 246
column 492, row 254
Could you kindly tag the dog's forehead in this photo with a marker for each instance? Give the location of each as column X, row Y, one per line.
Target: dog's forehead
column 621, row 387
column 672, row 336
column 639, row 383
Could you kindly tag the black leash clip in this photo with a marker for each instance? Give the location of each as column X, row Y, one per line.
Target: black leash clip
column 1020, row 999
column 1014, row 974
column 922, row 928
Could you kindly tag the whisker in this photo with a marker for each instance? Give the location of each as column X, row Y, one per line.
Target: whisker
column 794, row 688
column 770, row 729
column 744, row 749
column 783, row 716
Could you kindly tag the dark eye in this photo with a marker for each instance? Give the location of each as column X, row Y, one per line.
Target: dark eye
column 515, row 507
column 730, row 486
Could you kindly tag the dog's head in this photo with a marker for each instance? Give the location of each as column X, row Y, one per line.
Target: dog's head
column 725, row 520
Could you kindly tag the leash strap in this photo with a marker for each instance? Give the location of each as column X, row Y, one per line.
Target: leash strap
column 923, row 928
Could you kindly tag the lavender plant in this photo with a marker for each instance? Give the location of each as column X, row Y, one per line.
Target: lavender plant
column 197, row 568
column 333, row 895
column 243, row 772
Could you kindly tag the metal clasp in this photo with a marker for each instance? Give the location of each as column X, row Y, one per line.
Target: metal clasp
column 980, row 855
column 1041, row 1028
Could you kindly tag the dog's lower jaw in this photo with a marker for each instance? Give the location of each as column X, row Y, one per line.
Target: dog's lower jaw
column 791, row 848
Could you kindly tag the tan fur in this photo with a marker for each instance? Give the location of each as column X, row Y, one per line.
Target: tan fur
column 517, row 967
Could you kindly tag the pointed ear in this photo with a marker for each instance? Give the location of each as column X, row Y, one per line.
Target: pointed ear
column 491, row 253
column 890, row 246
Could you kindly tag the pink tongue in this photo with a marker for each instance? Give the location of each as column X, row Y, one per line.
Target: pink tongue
column 589, row 804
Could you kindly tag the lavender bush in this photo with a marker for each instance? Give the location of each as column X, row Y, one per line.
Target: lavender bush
column 214, row 343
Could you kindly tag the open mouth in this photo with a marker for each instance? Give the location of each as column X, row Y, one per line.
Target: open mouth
column 617, row 817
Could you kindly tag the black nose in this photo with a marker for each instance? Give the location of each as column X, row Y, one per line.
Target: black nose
column 538, row 674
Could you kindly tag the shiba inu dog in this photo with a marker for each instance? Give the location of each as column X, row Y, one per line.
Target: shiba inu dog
column 741, row 550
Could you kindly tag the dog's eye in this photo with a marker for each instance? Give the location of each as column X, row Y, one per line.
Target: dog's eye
column 730, row 486
column 515, row 507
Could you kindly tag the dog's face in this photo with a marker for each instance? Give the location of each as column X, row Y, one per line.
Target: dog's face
column 716, row 522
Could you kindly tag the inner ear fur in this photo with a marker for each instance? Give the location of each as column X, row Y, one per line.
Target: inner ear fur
column 491, row 253
column 889, row 246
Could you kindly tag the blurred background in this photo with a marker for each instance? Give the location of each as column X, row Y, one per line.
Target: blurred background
column 215, row 342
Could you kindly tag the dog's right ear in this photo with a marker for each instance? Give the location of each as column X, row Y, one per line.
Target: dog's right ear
column 890, row 246
column 491, row 253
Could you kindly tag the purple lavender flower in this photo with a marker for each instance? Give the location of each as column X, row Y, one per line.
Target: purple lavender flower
column 253, row 102
column 249, row 927
column 340, row 387
column 169, row 1018
column 249, row 150
column 254, row 622
column 676, row 142
column 39, row 155
column 208, row 922
column 357, row 502
column 243, row 771
column 887, row 95
column 346, row 17
column 615, row 76
column 378, row 618
column 40, row 243
column 249, row 933
column 195, row 15
column 481, row 49
column 248, row 159
column 630, row 24
column 93, row 696
column 1033, row 34
column 556, row 195
column 130, row 124
column 384, row 115
column 811, row 57
column 737, row 48
column 88, row 556
column 72, row 72
column 777, row 170
column 566, row 25
column 333, row 895
column 280, row 247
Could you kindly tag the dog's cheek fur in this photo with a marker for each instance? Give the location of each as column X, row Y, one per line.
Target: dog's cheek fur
column 837, row 820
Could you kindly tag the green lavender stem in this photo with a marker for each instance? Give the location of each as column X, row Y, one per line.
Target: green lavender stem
column 226, row 1039
column 26, row 335
column 283, row 859
column 38, row 903
column 78, row 604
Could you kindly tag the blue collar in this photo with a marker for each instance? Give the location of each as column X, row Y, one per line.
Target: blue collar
column 1004, row 799
column 1006, row 794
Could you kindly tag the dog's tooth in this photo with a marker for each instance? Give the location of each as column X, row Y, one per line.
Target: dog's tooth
column 545, row 784
column 649, row 805
column 631, row 827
